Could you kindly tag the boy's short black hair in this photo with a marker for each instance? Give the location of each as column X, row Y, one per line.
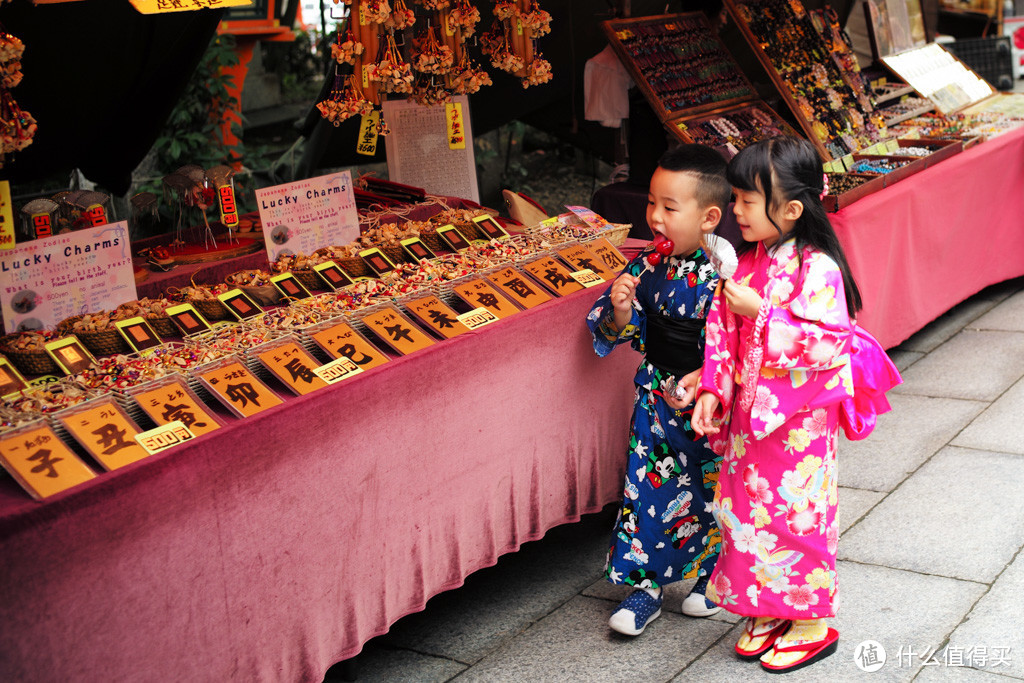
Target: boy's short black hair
column 708, row 166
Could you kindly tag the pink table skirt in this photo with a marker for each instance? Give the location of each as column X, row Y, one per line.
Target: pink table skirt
column 930, row 241
column 270, row 550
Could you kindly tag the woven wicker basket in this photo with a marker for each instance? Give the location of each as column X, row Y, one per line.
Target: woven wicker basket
column 100, row 342
column 394, row 253
column 309, row 279
column 617, row 233
column 353, row 266
column 433, row 241
column 211, row 309
column 28, row 361
column 164, row 327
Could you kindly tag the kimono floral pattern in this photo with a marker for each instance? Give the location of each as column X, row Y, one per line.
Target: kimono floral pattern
column 777, row 495
column 665, row 531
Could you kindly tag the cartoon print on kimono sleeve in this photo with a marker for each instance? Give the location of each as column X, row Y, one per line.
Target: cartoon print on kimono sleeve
column 807, row 328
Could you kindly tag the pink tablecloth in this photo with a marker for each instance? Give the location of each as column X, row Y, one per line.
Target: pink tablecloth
column 931, row 240
column 269, row 551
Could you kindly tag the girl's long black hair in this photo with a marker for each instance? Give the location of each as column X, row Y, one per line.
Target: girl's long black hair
column 788, row 168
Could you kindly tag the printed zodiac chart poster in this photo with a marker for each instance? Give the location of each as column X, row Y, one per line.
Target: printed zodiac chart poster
column 301, row 217
column 46, row 280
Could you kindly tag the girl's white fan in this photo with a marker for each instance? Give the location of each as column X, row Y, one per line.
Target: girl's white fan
column 721, row 254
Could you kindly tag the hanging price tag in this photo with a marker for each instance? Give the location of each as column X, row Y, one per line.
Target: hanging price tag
column 368, row 127
column 455, row 125
column 7, row 216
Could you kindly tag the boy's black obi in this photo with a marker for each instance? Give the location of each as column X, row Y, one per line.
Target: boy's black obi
column 673, row 345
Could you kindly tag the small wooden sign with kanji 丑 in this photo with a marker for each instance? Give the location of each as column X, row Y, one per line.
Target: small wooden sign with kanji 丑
column 553, row 275
column 175, row 402
column 479, row 292
column 436, row 315
column 293, row 366
column 344, row 341
column 519, row 287
column 41, row 463
column 397, row 331
column 238, row 389
column 106, row 432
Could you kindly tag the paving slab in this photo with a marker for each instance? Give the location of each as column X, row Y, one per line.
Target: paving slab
column 975, row 364
column 573, row 644
column 388, row 665
column 1008, row 315
column 499, row 602
column 947, row 325
column 854, row 503
column 945, row 673
column 889, row 606
column 903, row 359
column 674, row 595
column 914, row 430
column 993, row 628
column 999, row 427
column 961, row 515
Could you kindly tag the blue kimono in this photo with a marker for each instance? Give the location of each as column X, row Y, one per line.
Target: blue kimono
column 664, row 531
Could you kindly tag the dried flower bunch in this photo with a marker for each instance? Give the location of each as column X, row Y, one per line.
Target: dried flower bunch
column 463, row 18
column 344, row 103
column 346, row 48
column 401, row 17
column 536, row 22
column 431, row 57
column 391, row 72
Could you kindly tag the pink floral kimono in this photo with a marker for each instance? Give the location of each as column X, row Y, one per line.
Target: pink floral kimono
column 781, row 379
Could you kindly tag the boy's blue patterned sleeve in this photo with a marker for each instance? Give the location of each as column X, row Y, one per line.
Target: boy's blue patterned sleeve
column 601, row 321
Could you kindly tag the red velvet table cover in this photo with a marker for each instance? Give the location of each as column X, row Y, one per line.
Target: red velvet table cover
column 930, row 241
column 267, row 551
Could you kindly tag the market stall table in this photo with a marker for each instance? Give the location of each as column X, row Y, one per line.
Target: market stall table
column 269, row 550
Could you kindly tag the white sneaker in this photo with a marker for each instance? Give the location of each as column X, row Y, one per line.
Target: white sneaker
column 696, row 605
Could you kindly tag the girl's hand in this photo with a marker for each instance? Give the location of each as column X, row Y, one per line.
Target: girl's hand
column 690, row 382
column 702, row 421
column 742, row 300
column 622, row 293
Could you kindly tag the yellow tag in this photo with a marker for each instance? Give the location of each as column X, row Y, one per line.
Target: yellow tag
column 892, row 145
column 455, row 125
column 519, row 25
column 362, row 15
column 848, row 162
column 549, row 222
column 163, row 7
column 107, row 433
column 367, row 142
column 163, row 437
column 239, row 389
column 478, row 317
column 337, row 370
column 366, row 70
column 174, row 403
column 293, row 366
column 587, row 278
column 41, row 463
column 6, row 216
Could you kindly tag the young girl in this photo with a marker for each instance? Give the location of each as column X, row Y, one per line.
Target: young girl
column 777, row 366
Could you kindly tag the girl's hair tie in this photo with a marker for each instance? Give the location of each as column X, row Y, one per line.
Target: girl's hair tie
column 824, row 190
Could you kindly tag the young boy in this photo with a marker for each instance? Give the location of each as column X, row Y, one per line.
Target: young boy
column 665, row 531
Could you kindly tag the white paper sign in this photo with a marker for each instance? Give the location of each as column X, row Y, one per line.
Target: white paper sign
column 301, row 217
column 47, row 280
column 418, row 150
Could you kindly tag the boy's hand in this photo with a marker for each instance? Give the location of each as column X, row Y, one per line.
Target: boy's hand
column 622, row 293
column 742, row 300
column 702, row 421
column 688, row 384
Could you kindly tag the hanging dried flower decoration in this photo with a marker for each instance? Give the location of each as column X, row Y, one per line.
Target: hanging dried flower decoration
column 11, row 48
column 493, row 38
column 505, row 9
column 434, row 4
column 536, row 22
column 345, row 101
column 376, row 11
column 463, row 18
column 504, row 57
column 345, row 51
column 467, row 78
column 538, row 71
column 392, row 72
column 432, row 57
column 428, row 91
column 401, row 17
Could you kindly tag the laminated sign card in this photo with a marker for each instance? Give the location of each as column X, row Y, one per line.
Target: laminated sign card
column 303, row 216
column 47, row 280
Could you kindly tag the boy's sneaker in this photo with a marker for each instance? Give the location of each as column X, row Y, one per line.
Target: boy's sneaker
column 695, row 604
column 635, row 612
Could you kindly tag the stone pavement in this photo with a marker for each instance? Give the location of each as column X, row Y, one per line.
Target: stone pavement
column 932, row 514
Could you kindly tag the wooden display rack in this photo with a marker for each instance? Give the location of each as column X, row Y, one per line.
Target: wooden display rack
column 824, row 49
column 689, row 78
